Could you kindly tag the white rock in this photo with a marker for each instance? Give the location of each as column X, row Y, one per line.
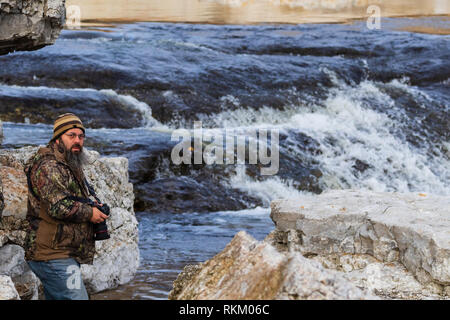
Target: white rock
column 409, row 231
column 248, row 269
column 7, row 289
column 117, row 259
column 13, row 264
column 30, row 24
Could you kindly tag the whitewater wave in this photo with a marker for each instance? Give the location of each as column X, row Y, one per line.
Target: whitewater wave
column 267, row 190
column 362, row 140
column 349, row 131
column 139, row 106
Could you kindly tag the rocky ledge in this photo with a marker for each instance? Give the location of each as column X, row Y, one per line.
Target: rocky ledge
column 30, row 24
column 117, row 259
column 342, row 244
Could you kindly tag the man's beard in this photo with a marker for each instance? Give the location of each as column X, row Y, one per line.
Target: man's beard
column 76, row 160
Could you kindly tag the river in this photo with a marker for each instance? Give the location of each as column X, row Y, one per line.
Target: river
column 353, row 108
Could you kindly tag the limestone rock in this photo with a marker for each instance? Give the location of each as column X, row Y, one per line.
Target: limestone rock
column 117, row 258
column 248, row 269
column 30, row 24
column 13, row 264
column 342, row 244
column 3, row 237
column 396, row 245
column 183, row 279
column 14, row 192
column 7, row 289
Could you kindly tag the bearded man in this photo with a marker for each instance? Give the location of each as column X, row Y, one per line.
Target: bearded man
column 60, row 236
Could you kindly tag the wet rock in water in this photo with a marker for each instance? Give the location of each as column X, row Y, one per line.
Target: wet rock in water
column 30, row 24
column 396, row 245
column 249, row 269
column 184, row 194
column 360, row 166
column 97, row 108
column 117, row 259
column 162, row 186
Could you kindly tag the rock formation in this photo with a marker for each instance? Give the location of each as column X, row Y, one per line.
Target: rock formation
column 397, row 245
column 342, row 244
column 7, row 289
column 30, row 24
column 117, row 259
column 13, row 265
column 248, row 269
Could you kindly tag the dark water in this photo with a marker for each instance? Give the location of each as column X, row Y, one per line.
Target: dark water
column 354, row 108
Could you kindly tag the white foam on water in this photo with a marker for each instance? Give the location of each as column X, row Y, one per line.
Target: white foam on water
column 403, row 84
column 348, row 129
column 267, row 190
column 256, row 212
column 134, row 103
column 242, row 118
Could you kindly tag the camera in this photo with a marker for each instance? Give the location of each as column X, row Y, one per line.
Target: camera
column 100, row 229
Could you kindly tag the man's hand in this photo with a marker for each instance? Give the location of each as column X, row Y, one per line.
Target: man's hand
column 98, row 216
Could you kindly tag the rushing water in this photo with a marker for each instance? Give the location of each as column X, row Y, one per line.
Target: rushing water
column 354, row 108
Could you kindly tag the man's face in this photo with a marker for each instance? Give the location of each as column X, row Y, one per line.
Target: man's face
column 73, row 140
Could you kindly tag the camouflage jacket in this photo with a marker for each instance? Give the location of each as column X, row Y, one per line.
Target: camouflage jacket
column 58, row 226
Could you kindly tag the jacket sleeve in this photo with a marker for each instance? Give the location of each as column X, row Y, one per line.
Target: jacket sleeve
column 51, row 181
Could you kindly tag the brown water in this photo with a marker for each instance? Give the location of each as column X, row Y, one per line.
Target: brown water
column 96, row 12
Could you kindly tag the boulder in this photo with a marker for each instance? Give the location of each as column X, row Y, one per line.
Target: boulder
column 341, row 244
column 13, row 264
column 117, row 259
column 7, row 289
column 396, row 245
column 249, row 269
column 30, row 24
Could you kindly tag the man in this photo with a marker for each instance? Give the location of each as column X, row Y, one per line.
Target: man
column 60, row 235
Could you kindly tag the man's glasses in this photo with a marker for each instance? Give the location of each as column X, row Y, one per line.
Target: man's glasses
column 73, row 135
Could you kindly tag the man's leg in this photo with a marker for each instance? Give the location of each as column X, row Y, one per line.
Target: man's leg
column 61, row 279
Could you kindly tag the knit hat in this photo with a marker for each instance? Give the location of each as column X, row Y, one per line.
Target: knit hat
column 66, row 122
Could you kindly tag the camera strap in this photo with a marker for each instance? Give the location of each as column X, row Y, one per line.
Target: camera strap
column 91, row 190
column 86, row 200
